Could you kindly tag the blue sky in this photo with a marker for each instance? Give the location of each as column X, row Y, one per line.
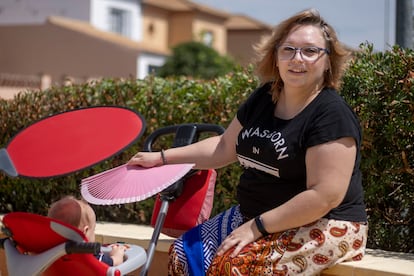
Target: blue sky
column 355, row 21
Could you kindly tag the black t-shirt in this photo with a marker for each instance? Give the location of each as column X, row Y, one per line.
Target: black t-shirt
column 272, row 151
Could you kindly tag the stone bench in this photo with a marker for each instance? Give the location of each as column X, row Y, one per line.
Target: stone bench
column 376, row 262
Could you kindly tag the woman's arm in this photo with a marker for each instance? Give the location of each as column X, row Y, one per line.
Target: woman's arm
column 212, row 152
column 329, row 169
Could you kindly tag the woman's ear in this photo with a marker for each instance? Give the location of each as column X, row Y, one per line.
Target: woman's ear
column 328, row 65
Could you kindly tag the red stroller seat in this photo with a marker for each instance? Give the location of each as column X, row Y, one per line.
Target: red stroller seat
column 38, row 245
column 189, row 209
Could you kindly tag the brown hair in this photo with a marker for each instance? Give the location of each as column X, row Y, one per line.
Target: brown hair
column 266, row 66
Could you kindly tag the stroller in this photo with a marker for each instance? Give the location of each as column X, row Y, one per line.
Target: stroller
column 38, row 245
column 50, row 247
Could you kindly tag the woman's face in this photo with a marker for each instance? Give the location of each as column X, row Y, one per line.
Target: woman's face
column 302, row 58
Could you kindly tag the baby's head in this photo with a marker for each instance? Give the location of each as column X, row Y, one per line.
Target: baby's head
column 75, row 212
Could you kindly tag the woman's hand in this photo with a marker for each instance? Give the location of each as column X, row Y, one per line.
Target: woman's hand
column 146, row 159
column 239, row 238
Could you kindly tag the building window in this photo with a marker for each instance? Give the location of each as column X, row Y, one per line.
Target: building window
column 153, row 69
column 207, row 38
column 119, row 21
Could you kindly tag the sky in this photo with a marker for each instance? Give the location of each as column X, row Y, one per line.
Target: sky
column 355, row 21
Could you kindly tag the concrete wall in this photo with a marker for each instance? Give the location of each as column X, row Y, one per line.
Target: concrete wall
column 241, row 44
column 59, row 52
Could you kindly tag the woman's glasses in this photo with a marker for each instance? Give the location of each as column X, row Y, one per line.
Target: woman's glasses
column 308, row 53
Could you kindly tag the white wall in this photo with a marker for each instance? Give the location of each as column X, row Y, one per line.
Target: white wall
column 100, row 15
column 145, row 60
column 96, row 12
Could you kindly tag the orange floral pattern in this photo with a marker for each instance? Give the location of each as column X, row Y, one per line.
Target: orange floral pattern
column 306, row 250
column 303, row 251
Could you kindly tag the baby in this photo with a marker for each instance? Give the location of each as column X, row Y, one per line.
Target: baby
column 80, row 214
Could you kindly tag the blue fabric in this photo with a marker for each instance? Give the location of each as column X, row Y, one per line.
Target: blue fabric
column 193, row 249
column 198, row 246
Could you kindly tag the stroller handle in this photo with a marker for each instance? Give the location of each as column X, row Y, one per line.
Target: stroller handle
column 185, row 134
column 83, row 247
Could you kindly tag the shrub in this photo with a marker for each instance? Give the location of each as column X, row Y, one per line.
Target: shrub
column 196, row 60
column 380, row 88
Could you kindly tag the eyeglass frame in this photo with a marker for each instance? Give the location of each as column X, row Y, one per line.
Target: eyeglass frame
column 324, row 50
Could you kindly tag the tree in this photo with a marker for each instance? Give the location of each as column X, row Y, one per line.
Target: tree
column 196, row 60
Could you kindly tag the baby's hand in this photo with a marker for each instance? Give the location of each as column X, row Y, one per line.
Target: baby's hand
column 117, row 253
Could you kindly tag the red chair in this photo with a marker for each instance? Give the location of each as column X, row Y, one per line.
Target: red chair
column 38, row 245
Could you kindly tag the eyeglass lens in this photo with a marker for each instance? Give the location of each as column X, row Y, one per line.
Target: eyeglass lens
column 309, row 53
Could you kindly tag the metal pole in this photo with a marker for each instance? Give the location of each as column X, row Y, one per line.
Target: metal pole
column 386, row 24
column 404, row 23
column 155, row 235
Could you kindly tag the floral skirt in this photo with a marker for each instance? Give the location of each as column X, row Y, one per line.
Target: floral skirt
column 305, row 250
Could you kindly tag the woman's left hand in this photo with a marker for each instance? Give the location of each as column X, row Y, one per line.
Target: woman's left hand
column 239, row 238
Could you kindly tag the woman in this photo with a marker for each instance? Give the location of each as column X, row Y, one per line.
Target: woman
column 300, row 195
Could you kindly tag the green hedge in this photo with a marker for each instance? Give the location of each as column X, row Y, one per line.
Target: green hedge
column 378, row 85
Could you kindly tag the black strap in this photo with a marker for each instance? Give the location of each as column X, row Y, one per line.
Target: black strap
column 260, row 227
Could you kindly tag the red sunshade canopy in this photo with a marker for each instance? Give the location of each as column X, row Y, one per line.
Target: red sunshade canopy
column 71, row 141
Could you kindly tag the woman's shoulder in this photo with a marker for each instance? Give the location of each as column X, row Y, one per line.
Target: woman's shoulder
column 332, row 105
column 261, row 94
column 330, row 94
column 329, row 98
column 264, row 88
column 262, row 91
column 329, row 105
column 259, row 100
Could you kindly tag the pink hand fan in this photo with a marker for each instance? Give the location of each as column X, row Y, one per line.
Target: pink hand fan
column 126, row 183
column 71, row 141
